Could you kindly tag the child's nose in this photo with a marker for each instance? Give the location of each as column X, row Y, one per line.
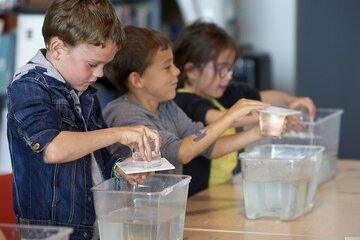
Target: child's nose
column 98, row 72
column 176, row 71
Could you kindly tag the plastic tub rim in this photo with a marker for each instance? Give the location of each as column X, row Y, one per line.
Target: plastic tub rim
column 186, row 180
column 61, row 234
column 245, row 155
column 337, row 111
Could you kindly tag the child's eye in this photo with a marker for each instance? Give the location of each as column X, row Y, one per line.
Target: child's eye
column 168, row 67
column 93, row 65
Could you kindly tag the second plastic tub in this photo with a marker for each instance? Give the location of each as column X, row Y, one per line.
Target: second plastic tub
column 280, row 181
column 324, row 131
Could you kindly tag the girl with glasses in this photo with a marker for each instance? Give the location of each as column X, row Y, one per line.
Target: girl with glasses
column 205, row 55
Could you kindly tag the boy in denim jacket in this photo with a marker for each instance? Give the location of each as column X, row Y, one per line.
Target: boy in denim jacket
column 57, row 135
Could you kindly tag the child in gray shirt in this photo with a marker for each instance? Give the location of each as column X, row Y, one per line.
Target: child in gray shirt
column 145, row 71
column 171, row 122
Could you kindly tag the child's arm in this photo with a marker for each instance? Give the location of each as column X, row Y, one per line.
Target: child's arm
column 36, row 118
column 69, row 146
column 200, row 109
column 196, row 143
column 231, row 143
column 213, row 114
column 273, row 97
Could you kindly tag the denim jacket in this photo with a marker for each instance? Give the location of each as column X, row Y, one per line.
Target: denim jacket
column 40, row 107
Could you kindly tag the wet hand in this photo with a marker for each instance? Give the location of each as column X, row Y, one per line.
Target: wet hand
column 304, row 102
column 251, row 118
column 141, row 138
column 136, row 178
column 245, row 108
column 293, row 123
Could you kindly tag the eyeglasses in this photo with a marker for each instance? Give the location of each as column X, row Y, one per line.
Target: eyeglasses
column 223, row 71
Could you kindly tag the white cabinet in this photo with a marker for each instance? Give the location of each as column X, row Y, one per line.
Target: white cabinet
column 28, row 37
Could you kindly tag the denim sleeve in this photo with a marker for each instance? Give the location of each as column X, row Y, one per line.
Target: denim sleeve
column 35, row 115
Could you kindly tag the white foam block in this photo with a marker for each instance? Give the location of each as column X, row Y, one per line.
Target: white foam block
column 132, row 167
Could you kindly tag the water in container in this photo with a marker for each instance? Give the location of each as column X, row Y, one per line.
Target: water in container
column 154, row 210
column 142, row 223
column 280, row 181
column 282, row 199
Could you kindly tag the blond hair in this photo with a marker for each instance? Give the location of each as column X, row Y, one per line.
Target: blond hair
column 82, row 21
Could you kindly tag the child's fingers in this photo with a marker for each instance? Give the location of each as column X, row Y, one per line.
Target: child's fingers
column 257, row 106
column 131, row 181
column 141, row 147
column 294, row 123
column 156, row 138
column 147, row 147
column 250, row 105
column 306, row 103
column 141, row 179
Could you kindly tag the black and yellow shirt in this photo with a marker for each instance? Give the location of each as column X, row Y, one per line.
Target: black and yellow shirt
column 196, row 108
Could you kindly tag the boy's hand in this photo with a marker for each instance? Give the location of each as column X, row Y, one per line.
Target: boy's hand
column 140, row 138
column 133, row 179
column 306, row 103
column 244, row 107
column 251, row 118
column 294, row 123
column 137, row 178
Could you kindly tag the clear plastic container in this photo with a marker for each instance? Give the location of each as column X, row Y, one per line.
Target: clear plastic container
column 324, row 130
column 272, row 120
column 280, row 181
column 154, row 210
column 31, row 232
column 271, row 124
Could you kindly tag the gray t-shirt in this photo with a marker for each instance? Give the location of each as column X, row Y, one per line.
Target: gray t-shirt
column 172, row 123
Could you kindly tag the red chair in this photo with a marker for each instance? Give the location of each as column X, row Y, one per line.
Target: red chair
column 6, row 205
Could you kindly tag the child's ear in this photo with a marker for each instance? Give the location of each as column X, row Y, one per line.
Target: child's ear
column 135, row 81
column 56, row 48
column 191, row 71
